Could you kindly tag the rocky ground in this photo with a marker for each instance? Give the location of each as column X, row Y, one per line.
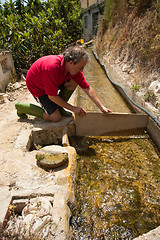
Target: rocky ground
column 21, row 176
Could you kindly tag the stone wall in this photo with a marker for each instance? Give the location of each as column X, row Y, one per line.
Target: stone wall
column 7, row 69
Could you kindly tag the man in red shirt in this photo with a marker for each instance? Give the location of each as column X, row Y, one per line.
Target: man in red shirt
column 52, row 79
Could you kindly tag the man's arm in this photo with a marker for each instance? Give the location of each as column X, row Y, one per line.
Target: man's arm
column 93, row 96
column 60, row 102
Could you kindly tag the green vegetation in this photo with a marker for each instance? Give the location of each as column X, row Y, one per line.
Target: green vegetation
column 148, row 96
column 136, row 87
column 31, row 29
column 133, row 26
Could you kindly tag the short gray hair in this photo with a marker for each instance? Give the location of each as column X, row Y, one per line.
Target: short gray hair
column 75, row 54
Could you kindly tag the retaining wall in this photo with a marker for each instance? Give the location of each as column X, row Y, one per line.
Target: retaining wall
column 7, row 69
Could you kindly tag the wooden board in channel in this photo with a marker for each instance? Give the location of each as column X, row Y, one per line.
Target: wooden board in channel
column 112, row 124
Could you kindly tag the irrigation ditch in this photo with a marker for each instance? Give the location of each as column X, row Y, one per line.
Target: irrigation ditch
column 108, row 184
column 117, row 183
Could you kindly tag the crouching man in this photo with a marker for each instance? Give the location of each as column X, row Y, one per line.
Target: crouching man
column 52, row 80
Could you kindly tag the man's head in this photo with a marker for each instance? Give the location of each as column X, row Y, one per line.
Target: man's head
column 75, row 54
column 75, row 59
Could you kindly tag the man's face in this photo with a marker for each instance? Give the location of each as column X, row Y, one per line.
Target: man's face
column 76, row 68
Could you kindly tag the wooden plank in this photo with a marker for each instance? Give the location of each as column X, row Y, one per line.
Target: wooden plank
column 65, row 140
column 112, row 124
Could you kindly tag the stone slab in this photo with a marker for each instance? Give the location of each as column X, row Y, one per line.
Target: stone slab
column 51, row 159
column 112, row 124
column 6, row 199
column 31, row 181
column 151, row 235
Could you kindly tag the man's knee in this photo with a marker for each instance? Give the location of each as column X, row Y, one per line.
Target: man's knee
column 54, row 117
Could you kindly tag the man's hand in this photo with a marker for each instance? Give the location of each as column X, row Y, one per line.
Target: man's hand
column 105, row 110
column 80, row 111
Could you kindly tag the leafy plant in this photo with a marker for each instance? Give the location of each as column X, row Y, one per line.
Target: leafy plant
column 34, row 28
column 136, row 87
column 148, row 96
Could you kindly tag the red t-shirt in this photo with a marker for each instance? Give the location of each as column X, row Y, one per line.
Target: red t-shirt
column 47, row 73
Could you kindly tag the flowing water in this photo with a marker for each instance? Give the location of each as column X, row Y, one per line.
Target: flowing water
column 117, row 183
column 105, row 90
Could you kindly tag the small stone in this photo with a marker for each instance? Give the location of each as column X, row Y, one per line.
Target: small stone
column 154, row 87
column 23, row 77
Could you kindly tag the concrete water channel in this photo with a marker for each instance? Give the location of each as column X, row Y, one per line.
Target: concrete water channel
column 117, row 184
column 109, row 184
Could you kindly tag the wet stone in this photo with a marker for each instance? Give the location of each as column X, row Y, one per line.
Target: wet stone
column 51, row 159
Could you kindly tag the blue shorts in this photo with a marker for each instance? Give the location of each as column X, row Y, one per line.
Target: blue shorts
column 48, row 105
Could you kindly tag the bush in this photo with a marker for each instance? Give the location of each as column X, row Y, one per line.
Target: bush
column 38, row 28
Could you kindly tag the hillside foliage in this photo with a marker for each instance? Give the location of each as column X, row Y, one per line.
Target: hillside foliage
column 33, row 28
column 130, row 29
